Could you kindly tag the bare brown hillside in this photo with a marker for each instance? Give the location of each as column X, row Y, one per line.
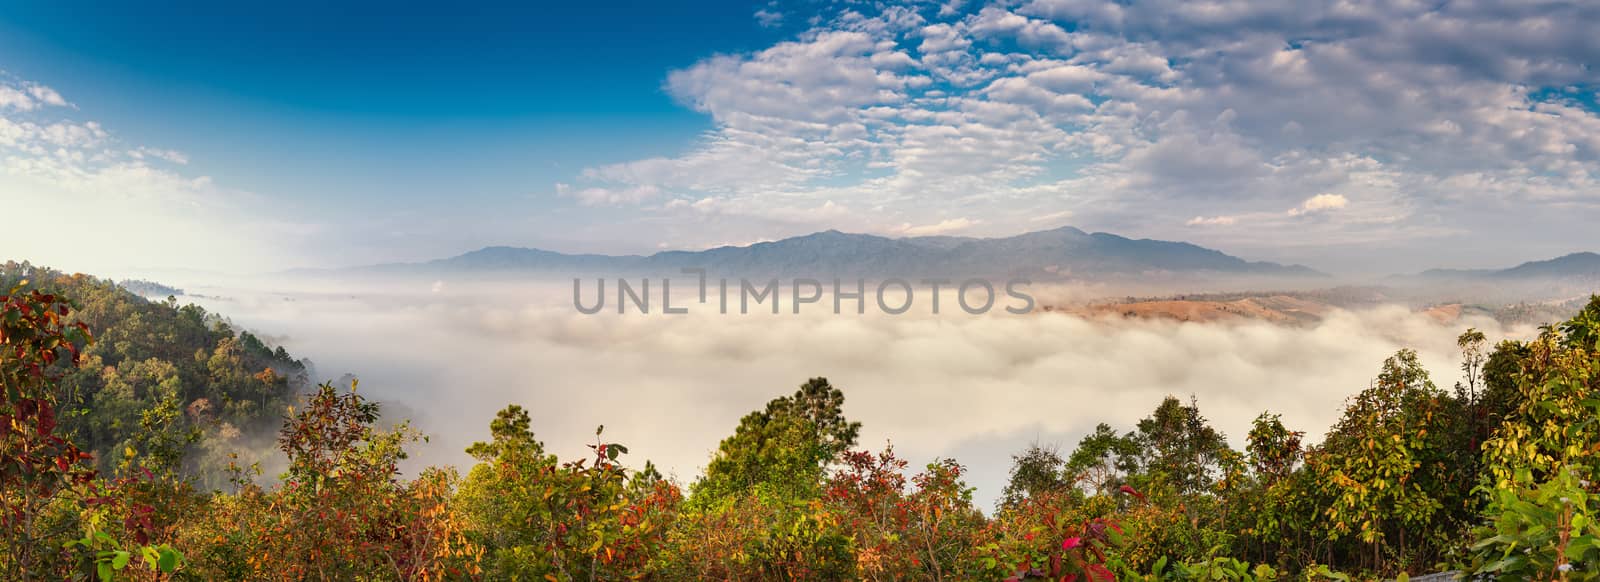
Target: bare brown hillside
column 1273, row 308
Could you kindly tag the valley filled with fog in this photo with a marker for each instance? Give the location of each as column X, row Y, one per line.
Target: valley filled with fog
column 448, row 355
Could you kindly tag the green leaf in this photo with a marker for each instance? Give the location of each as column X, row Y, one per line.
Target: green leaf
column 169, row 560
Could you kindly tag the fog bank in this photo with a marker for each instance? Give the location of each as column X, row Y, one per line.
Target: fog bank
column 978, row 388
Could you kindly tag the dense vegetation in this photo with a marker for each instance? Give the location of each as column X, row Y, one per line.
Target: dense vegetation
column 162, row 379
column 104, row 452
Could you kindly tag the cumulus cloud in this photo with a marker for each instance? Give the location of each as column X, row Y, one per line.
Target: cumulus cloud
column 996, row 22
column 1135, row 116
column 1319, row 203
column 821, row 78
column 19, row 95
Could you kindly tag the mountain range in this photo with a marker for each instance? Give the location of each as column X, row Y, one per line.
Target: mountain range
column 1576, row 265
column 1065, row 252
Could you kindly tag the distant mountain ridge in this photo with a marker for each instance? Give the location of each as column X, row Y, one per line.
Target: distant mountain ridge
column 1574, row 265
column 1063, row 252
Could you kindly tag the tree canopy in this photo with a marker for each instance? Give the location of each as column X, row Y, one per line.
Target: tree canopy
column 116, row 408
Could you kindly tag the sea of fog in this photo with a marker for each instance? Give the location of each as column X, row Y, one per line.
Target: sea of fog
column 448, row 355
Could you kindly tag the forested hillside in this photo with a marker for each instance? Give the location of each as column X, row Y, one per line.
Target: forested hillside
column 103, row 394
column 163, row 378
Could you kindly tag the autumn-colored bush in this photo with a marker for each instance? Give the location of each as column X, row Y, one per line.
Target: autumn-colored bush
column 341, row 511
column 539, row 518
column 1542, row 462
column 922, row 529
column 49, row 494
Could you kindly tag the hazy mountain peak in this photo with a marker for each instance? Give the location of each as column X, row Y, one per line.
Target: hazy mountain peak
column 1582, row 264
column 1059, row 252
column 1571, row 264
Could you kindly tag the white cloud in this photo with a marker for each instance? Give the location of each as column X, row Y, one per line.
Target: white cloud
column 769, row 18
column 595, row 196
column 1211, row 221
column 1319, row 203
column 46, row 96
column 942, row 37
column 1149, row 114
column 819, row 79
column 116, row 205
column 26, row 96
column 11, row 98
column 173, row 156
column 994, row 22
column 946, row 226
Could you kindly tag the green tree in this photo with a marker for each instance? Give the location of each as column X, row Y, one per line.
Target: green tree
column 1386, row 469
column 1541, row 462
column 537, row 518
column 784, row 449
column 1103, row 460
column 1178, row 446
column 1036, row 471
column 1273, row 507
column 758, row 511
column 1583, row 330
column 1551, row 427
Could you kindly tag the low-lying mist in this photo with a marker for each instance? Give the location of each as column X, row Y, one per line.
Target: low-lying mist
column 976, row 388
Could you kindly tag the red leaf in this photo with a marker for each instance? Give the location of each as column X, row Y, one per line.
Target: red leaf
column 1131, row 491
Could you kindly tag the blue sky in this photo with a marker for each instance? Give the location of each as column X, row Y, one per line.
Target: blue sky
column 368, row 91
column 1327, row 133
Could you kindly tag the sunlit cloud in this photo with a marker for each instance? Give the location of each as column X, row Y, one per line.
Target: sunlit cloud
column 1112, row 112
